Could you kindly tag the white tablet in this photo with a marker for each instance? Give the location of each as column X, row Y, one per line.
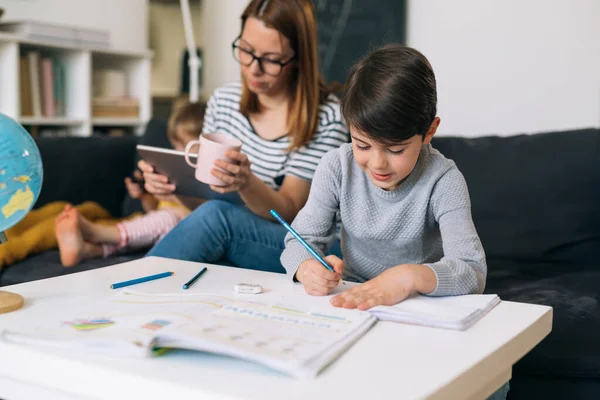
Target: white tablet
column 172, row 164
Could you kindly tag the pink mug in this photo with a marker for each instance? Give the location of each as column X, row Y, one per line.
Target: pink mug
column 213, row 147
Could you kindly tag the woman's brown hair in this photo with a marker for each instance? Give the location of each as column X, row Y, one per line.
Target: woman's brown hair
column 294, row 19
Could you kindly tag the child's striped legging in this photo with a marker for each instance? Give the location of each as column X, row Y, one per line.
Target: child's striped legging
column 144, row 231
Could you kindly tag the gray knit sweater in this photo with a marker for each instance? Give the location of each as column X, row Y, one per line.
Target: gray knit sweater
column 426, row 220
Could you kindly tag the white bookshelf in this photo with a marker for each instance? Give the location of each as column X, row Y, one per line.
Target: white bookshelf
column 79, row 64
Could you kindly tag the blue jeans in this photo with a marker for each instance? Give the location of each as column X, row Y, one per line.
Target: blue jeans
column 218, row 232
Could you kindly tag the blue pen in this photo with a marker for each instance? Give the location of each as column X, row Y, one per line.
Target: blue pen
column 189, row 283
column 304, row 243
column 140, row 280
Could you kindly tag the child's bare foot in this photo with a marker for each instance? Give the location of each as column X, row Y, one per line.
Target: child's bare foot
column 71, row 244
column 86, row 227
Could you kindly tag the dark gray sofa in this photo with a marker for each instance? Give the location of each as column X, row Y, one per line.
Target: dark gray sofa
column 80, row 169
column 536, row 206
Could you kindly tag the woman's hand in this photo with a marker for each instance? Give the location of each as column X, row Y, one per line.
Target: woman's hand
column 155, row 184
column 237, row 173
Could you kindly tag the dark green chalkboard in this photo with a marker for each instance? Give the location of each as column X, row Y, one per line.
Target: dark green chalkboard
column 348, row 29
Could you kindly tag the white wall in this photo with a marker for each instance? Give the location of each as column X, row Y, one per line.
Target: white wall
column 511, row 66
column 126, row 20
column 503, row 66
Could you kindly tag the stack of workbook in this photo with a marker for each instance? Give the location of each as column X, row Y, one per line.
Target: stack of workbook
column 126, row 107
column 453, row 312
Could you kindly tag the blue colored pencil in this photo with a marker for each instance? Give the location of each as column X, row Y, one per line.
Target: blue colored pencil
column 189, row 283
column 301, row 240
column 140, row 280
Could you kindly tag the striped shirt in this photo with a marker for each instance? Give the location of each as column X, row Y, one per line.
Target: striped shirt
column 271, row 160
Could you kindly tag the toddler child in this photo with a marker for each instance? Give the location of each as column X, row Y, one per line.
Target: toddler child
column 80, row 239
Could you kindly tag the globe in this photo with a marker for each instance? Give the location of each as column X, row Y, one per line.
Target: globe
column 21, row 173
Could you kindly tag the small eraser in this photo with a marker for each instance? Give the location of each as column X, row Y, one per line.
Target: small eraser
column 247, row 288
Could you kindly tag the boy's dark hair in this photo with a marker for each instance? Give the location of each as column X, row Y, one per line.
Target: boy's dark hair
column 391, row 94
column 189, row 117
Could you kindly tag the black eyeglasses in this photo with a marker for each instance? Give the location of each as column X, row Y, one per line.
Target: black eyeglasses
column 268, row 66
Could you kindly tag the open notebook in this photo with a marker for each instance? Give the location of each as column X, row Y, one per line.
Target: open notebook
column 454, row 312
column 299, row 340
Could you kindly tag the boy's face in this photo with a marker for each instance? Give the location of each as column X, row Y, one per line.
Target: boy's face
column 388, row 165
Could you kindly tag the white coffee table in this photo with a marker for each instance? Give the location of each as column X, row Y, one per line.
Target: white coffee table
column 391, row 361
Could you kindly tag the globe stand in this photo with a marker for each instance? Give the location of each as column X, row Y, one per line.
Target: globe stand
column 9, row 301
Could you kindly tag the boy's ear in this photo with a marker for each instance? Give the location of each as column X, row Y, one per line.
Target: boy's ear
column 432, row 129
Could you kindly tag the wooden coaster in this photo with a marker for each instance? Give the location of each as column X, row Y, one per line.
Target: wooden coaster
column 10, row 302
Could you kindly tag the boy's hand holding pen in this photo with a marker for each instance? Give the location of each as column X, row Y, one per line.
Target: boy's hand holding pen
column 320, row 275
column 317, row 280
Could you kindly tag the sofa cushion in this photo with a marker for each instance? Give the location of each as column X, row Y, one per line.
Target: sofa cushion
column 535, row 198
column 78, row 169
column 572, row 349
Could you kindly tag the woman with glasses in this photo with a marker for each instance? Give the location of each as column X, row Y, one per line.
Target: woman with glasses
column 286, row 118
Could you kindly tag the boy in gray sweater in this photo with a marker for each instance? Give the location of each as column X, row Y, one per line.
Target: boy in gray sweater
column 405, row 208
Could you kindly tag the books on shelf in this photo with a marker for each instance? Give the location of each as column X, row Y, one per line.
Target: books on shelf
column 33, row 59
column 115, row 107
column 58, row 34
column 47, row 86
column 42, row 90
column 110, row 93
column 25, row 90
column 59, row 88
column 42, row 86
